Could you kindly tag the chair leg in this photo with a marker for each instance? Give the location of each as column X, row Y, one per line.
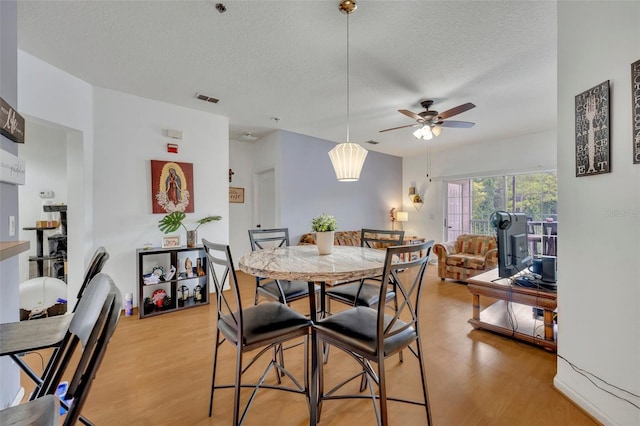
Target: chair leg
column 382, row 390
column 318, row 393
column 423, row 376
column 278, row 358
column 213, row 375
column 236, row 396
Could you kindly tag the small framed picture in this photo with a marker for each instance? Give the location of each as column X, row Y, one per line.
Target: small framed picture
column 236, row 195
column 593, row 145
column 171, row 241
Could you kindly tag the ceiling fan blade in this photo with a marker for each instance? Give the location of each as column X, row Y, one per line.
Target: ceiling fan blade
column 411, row 114
column 401, row 127
column 455, row 111
column 457, row 124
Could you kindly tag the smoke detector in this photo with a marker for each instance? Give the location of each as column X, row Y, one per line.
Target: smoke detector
column 248, row 136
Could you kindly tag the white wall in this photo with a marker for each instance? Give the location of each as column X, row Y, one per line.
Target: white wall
column 115, row 195
column 308, row 187
column 599, row 287
column 128, row 135
column 9, row 270
column 53, row 96
column 241, row 214
column 527, row 153
column 46, row 155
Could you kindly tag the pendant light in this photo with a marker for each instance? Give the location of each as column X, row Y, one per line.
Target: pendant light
column 348, row 158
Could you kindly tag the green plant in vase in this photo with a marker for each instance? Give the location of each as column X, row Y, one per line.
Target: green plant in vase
column 174, row 220
column 323, row 226
column 324, row 223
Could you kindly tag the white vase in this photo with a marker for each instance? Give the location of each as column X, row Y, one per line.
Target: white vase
column 324, row 241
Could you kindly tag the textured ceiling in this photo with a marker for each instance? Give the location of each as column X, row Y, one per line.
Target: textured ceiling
column 287, row 59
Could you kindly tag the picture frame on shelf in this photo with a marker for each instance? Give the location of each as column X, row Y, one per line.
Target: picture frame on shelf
column 170, row 241
column 593, row 145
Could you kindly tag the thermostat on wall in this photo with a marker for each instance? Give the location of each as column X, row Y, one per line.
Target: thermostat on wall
column 47, row 194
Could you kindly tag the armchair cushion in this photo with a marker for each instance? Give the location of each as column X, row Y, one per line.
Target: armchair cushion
column 469, row 255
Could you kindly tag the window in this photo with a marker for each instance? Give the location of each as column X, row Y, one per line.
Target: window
column 470, row 202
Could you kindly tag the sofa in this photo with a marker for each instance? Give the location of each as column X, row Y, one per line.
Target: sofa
column 341, row 238
column 467, row 256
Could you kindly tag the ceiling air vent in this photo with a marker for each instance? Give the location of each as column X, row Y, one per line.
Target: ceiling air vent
column 207, row 98
column 372, row 142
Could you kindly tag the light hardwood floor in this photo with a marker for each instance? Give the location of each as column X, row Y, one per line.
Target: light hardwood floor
column 157, row 371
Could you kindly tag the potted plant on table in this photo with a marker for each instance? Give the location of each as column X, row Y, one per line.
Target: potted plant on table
column 324, row 226
column 174, row 220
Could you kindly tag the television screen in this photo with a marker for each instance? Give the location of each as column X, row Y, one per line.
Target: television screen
column 513, row 243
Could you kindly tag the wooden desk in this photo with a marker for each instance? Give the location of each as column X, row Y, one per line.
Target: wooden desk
column 303, row 263
column 496, row 317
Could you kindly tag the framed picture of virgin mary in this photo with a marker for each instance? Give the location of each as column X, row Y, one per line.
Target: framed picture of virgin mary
column 171, row 186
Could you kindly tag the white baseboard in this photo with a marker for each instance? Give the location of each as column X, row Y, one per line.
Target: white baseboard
column 18, row 399
column 585, row 405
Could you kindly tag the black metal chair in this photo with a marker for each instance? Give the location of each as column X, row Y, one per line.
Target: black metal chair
column 371, row 335
column 550, row 238
column 91, row 327
column 366, row 292
column 265, row 326
column 281, row 290
column 16, row 338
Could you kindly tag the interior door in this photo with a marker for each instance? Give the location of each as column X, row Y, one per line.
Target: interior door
column 265, row 206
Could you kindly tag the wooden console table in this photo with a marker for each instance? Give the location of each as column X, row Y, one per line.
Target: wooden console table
column 496, row 317
column 413, row 241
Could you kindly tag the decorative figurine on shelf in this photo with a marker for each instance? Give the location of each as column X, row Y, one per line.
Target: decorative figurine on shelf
column 183, row 295
column 197, row 293
column 199, row 269
column 158, row 297
column 188, row 266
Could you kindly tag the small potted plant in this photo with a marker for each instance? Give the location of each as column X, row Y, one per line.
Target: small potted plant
column 174, row 220
column 324, row 226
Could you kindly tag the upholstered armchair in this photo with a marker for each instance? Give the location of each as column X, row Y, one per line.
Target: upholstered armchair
column 467, row 256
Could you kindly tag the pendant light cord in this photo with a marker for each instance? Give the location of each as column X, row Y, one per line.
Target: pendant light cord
column 348, row 77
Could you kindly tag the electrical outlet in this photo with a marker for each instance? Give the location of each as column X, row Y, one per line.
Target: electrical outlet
column 12, row 226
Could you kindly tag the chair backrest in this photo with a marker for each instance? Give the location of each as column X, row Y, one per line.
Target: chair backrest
column 550, row 228
column 267, row 238
column 408, row 289
column 380, row 238
column 228, row 303
column 92, row 326
column 99, row 258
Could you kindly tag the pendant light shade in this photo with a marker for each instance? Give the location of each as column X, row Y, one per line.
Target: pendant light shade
column 348, row 159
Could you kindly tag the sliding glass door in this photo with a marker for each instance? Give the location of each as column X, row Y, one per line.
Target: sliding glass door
column 470, row 202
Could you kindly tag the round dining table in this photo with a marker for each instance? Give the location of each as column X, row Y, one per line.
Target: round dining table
column 304, row 263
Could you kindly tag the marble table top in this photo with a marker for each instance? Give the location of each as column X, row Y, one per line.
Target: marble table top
column 303, row 263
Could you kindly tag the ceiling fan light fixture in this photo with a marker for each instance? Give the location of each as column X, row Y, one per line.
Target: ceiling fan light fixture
column 424, row 132
column 436, row 130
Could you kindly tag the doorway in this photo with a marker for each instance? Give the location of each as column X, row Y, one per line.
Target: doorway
column 265, row 205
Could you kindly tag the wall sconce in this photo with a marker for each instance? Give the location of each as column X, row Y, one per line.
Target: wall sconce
column 415, row 198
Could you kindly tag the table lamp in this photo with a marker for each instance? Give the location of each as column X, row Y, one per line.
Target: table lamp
column 402, row 217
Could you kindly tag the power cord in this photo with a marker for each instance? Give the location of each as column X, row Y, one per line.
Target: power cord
column 588, row 375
